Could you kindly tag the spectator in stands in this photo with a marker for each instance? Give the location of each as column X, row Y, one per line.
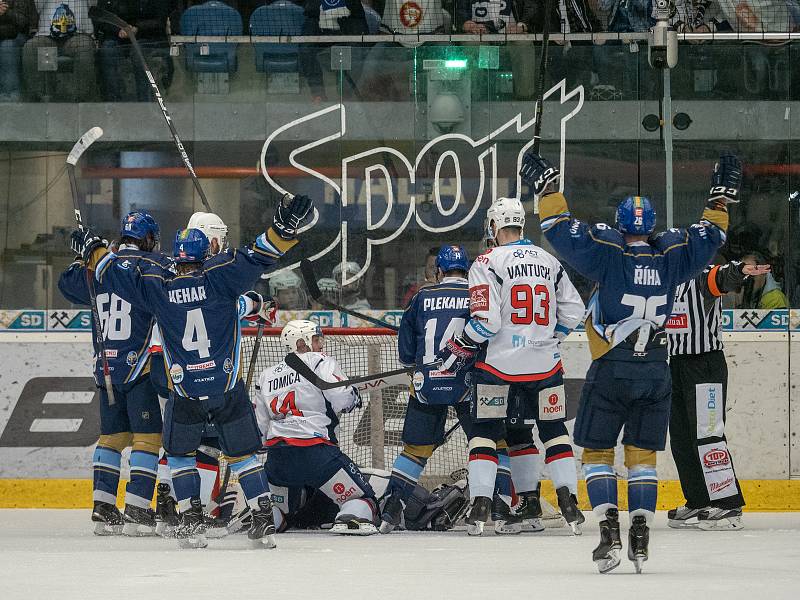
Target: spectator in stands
column 17, row 18
column 327, row 17
column 149, row 21
column 65, row 27
column 429, row 276
column 762, row 291
column 353, row 296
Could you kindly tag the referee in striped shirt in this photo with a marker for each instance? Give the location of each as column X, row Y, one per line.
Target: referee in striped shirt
column 699, row 389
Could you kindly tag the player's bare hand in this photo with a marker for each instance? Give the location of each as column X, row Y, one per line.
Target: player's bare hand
column 753, row 270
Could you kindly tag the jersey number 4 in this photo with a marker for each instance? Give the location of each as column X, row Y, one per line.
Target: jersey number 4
column 287, row 407
column 531, row 305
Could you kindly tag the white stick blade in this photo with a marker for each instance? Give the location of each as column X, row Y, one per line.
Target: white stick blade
column 87, row 139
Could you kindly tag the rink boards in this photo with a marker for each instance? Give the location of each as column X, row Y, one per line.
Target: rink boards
column 49, row 420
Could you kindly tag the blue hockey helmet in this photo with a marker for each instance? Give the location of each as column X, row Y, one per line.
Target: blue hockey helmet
column 191, row 246
column 452, row 258
column 635, row 215
column 137, row 224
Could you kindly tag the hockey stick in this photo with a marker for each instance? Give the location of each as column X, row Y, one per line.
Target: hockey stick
column 248, row 382
column 367, row 383
column 310, row 278
column 103, row 16
column 87, row 139
column 537, row 127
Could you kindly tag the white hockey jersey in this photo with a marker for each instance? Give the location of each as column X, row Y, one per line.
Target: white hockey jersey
column 290, row 409
column 523, row 303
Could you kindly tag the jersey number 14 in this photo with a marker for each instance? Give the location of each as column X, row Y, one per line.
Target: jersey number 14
column 287, row 406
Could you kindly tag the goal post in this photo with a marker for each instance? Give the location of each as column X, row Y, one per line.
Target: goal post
column 370, row 435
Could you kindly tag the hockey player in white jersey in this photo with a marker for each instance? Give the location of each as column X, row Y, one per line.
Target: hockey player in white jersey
column 522, row 304
column 298, row 422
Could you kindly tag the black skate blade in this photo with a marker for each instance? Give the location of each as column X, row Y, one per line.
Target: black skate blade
column 138, row 530
column 386, row 527
column 576, row 527
column 475, row 528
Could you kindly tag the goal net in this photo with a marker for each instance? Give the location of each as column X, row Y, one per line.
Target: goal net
column 370, row 435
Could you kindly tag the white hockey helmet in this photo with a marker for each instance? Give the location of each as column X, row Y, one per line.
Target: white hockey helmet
column 212, row 225
column 504, row 212
column 328, row 286
column 299, row 330
column 285, row 280
column 351, row 269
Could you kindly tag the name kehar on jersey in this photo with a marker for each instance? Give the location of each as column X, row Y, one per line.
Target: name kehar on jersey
column 446, row 303
column 186, row 295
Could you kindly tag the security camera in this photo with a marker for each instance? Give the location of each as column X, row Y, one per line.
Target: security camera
column 446, row 112
column 663, row 40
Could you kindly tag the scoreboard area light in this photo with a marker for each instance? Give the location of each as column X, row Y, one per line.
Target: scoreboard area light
column 455, row 64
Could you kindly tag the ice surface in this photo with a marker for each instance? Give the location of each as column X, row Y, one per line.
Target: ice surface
column 53, row 554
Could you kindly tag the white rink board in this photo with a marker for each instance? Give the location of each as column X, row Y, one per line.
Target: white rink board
column 758, row 416
column 53, row 554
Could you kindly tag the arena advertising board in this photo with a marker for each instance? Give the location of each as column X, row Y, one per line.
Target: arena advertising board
column 36, row 320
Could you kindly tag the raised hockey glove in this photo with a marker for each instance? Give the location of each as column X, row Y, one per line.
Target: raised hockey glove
column 726, row 179
column 538, row 173
column 84, row 242
column 457, row 353
column 265, row 309
column 290, row 214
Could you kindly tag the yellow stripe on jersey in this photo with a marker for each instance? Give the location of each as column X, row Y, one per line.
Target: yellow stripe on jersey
column 282, row 245
column 717, row 217
column 552, row 205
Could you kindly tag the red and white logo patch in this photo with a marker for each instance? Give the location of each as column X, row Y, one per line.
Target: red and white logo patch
column 479, row 298
column 338, row 488
column 678, row 321
column 716, row 457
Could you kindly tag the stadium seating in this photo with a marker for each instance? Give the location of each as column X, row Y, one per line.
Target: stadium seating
column 211, row 18
column 278, row 18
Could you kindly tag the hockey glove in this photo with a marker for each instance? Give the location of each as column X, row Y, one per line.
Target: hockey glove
column 265, row 309
column 726, row 179
column 289, row 214
column 84, row 242
column 457, row 353
column 538, row 173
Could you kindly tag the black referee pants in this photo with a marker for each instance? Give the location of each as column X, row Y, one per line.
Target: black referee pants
column 697, row 431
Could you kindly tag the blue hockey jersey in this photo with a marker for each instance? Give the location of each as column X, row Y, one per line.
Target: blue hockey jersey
column 434, row 315
column 126, row 327
column 635, row 282
column 198, row 313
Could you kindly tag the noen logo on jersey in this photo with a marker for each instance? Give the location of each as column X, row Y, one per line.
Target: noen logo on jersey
column 716, row 457
column 186, row 295
column 343, row 494
column 646, row 276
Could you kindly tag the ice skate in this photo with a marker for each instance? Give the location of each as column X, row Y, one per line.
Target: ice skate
column 138, row 521
column 191, row 531
column 262, row 528
column 478, row 515
column 166, row 512
column 638, row 540
column 107, row 519
column 352, row 525
column 506, row 522
column 720, row 519
column 529, row 509
column 392, row 513
column 216, row 527
column 568, row 504
column 606, row 555
column 683, row 517
column 240, row 520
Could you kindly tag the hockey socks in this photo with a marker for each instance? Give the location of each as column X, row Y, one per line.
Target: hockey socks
column 560, row 463
column 252, row 478
column 105, row 465
column 482, row 467
column 406, row 472
column 642, row 491
column 526, row 467
column 502, row 486
column 601, row 485
column 185, row 480
column 139, row 491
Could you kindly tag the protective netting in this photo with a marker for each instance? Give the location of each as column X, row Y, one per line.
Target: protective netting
column 370, row 436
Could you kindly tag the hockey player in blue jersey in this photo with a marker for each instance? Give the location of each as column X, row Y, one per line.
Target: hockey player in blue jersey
column 199, row 322
column 135, row 418
column 434, row 315
column 628, row 384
